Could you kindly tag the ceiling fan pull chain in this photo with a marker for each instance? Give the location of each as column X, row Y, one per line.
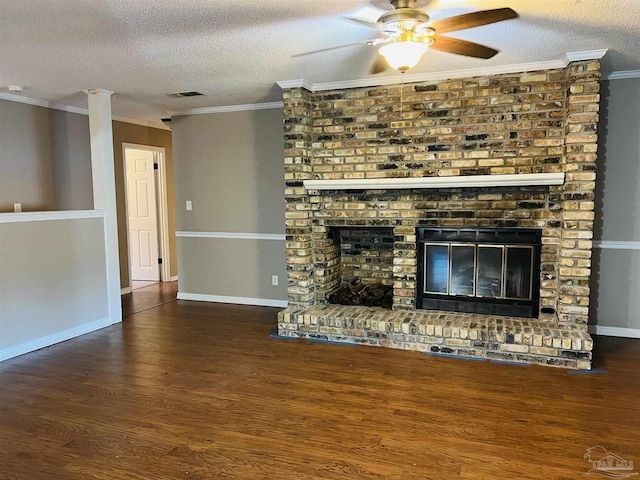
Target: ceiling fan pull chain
column 401, row 95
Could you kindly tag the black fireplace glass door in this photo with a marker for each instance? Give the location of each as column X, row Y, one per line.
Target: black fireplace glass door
column 490, row 271
column 463, row 264
column 518, row 272
column 436, row 272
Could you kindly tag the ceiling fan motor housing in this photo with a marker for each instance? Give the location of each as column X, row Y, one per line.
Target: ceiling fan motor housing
column 401, row 20
column 403, row 3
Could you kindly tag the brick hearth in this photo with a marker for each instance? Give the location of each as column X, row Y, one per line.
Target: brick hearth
column 529, row 123
column 465, row 334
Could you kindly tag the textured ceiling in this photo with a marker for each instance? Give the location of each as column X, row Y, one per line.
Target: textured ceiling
column 235, row 52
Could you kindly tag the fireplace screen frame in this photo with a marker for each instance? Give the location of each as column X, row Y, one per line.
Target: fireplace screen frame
column 469, row 297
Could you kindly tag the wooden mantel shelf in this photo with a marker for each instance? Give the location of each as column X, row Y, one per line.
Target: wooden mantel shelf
column 471, row 181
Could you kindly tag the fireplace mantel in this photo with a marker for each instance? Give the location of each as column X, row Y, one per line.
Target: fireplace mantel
column 470, row 181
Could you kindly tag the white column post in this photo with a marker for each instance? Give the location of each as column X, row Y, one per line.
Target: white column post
column 104, row 189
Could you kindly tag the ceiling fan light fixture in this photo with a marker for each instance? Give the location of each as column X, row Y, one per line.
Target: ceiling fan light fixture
column 403, row 55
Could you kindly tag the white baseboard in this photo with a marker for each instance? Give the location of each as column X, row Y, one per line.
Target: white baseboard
column 54, row 338
column 174, row 278
column 262, row 302
column 614, row 331
column 125, row 290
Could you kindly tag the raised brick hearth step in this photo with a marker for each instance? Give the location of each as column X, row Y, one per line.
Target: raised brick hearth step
column 472, row 335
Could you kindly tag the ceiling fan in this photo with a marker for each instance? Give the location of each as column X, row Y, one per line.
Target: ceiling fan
column 408, row 34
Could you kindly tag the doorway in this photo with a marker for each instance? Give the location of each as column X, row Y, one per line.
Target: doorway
column 146, row 207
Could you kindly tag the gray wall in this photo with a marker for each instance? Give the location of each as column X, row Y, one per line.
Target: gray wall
column 26, row 173
column 230, row 165
column 616, row 279
column 45, row 159
column 71, row 160
column 52, row 282
column 45, row 163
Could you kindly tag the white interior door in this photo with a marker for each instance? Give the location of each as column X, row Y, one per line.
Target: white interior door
column 141, row 212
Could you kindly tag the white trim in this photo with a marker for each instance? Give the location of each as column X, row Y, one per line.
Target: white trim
column 298, row 83
column 616, row 245
column 54, row 338
column 12, row 97
column 174, row 278
column 622, row 74
column 125, row 290
column 162, row 207
column 44, row 216
column 447, row 75
column 70, row 109
column 614, row 331
column 585, row 55
column 511, row 180
column 103, row 179
column 143, row 123
column 235, row 235
column 80, row 111
column 262, row 302
column 226, row 109
column 101, row 91
column 163, row 215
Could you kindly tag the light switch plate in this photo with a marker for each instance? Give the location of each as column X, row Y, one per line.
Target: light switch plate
column 189, row 206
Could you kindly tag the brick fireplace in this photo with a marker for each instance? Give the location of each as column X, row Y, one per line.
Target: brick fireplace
column 511, row 151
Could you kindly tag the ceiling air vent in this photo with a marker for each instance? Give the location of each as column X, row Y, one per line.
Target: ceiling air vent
column 185, row 94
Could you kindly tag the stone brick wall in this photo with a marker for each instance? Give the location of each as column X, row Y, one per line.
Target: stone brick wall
column 534, row 122
column 297, row 167
column 342, row 254
column 367, row 253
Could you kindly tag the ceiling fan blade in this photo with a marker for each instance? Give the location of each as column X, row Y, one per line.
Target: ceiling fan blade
column 379, row 65
column 475, row 19
column 360, row 21
column 336, row 47
column 366, row 15
column 462, row 47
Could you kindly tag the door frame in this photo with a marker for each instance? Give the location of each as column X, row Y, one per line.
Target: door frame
column 162, row 208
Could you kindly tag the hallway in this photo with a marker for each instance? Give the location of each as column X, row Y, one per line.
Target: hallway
column 152, row 295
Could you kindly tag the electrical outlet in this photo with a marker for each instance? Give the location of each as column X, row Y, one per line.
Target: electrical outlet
column 274, row 279
column 17, row 207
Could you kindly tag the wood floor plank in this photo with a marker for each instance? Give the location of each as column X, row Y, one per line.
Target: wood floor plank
column 195, row 390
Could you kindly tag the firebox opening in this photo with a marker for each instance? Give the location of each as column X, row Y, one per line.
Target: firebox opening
column 360, row 270
column 487, row 271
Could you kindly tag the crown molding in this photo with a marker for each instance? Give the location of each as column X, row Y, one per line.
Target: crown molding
column 80, row 111
column 226, row 109
column 447, row 75
column 585, row 55
column 69, row 108
column 621, row 75
column 142, row 123
column 299, row 83
column 12, row 97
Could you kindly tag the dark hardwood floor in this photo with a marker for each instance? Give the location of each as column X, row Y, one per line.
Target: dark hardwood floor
column 188, row 390
column 148, row 297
